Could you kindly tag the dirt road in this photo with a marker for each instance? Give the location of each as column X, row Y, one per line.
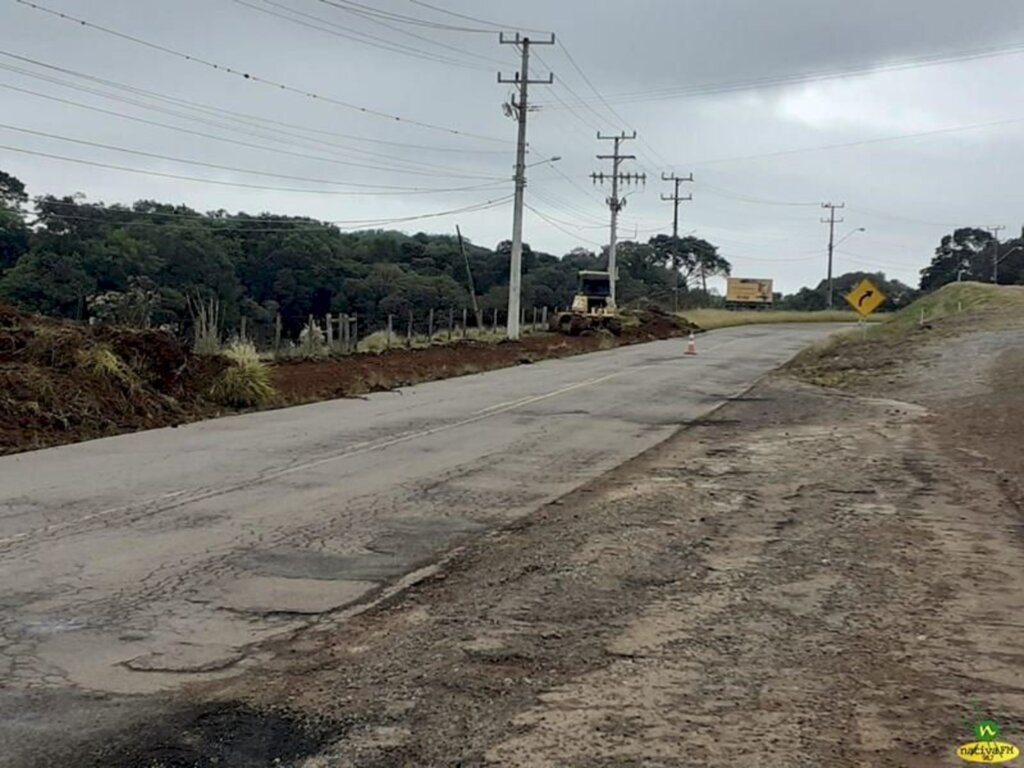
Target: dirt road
column 803, row 578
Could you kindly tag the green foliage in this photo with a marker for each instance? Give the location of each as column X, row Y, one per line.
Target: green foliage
column 142, row 264
column 898, row 295
column 969, row 254
column 246, row 382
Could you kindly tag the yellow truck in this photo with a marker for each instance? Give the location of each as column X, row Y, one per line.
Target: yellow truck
column 748, row 293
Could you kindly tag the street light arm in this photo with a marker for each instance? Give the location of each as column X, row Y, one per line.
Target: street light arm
column 1009, row 252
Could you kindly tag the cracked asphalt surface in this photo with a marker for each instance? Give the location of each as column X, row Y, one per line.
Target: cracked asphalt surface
column 139, row 564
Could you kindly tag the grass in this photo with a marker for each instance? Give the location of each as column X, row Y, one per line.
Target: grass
column 710, row 319
column 246, row 382
column 847, row 360
column 101, row 362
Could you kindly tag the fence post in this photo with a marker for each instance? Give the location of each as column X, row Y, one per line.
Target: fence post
column 430, row 328
column 494, row 321
column 277, row 332
column 534, row 327
column 408, row 333
column 465, row 317
column 343, row 332
column 354, row 334
column 330, row 330
column 544, row 317
column 451, row 322
column 241, row 331
column 390, row 329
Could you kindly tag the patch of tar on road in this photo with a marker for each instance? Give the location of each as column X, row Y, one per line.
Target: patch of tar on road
column 222, row 735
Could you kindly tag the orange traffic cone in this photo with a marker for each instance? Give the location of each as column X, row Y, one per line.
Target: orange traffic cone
column 691, row 345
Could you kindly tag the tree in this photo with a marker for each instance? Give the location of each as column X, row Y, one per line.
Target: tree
column 961, row 254
column 14, row 235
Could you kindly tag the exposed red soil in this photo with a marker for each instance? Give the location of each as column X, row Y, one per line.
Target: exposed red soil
column 53, row 391
column 304, row 381
column 51, row 394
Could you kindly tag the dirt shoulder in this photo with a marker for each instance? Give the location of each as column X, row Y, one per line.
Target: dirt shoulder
column 807, row 577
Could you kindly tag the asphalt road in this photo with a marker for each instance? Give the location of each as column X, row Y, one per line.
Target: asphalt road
column 134, row 564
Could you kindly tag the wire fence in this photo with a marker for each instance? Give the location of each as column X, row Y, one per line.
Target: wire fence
column 343, row 333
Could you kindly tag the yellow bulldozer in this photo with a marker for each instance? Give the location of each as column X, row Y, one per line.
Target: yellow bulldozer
column 592, row 307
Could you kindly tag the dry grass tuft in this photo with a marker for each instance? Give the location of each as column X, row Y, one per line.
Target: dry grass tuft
column 246, row 383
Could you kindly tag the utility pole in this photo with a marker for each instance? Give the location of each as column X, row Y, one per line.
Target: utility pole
column 469, row 276
column 831, row 221
column 615, row 203
column 520, row 108
column 676, row 199
column 995, row 255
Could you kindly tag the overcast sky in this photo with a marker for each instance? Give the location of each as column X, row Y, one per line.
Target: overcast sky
column 750, row 146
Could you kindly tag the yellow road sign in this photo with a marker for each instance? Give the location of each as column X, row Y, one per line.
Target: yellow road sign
column 865, row 298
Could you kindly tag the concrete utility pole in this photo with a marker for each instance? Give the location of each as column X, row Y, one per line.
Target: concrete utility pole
column 614, row 202
column 995, row 255
column 521, row 109
column 676, row 199
column 831, row 221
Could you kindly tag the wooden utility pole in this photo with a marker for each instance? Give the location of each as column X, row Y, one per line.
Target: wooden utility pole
column 831, row 221
column 995, row 254
column 469, row 276
column 520, row 108
column 615, row 203
column 676, row 199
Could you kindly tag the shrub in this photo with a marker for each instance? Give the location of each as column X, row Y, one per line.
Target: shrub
column 246, row 383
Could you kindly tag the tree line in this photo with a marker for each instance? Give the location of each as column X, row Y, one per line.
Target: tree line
column 145, row 264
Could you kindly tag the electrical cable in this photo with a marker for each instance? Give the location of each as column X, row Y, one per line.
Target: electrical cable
column 276, row 150
column 308, row 225
column 144, row 172
column 240, row 116
column 258, row 79
column 347, row 33
column 369, row 12
column 235, row 169
column 562, row 229
column 464, row 17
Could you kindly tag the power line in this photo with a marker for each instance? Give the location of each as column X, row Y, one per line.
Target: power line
column 895, row 217
column 238, row 116
column 496, row 25
column 615, row 114
column 276, row 150
column 393, row 28
column 234, row 169
column 347, row 34
column 719, row 192
column 343, row 224
column 257, row 79
column 369, row 12
column 562, row 229
column 161, row 174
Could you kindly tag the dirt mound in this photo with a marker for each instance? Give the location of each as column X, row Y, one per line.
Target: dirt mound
column 62, row 382
column 653, row 323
